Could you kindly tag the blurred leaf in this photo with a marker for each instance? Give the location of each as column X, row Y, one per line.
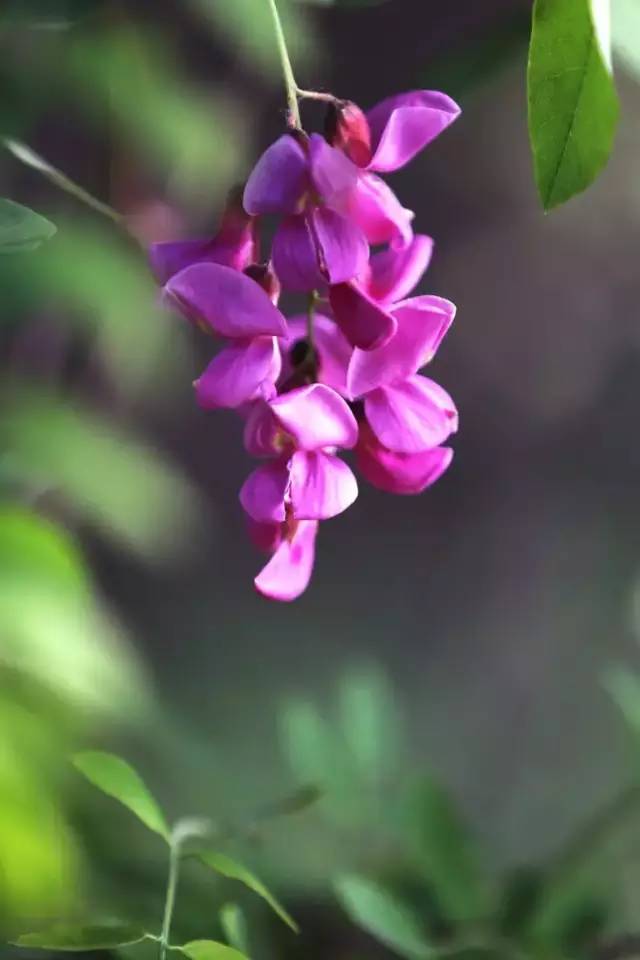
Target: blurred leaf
column 370, row 721
column 570, row 916
column 382, row 915
column 573, row 106
column 445, row 852
column 224, row 865
column 119, row 780
column 234, row 925
column 625, row 26
column 66, row 936
column 31, row 546
column 127, row 490
column 297, row 802
column 624, row 687
column 21, row 229
column 210, row 950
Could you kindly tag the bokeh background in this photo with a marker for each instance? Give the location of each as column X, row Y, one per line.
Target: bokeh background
column 484, row 635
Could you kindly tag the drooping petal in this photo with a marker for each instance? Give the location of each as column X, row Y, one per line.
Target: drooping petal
column 401, row 126
column 228, row 302
column 294, row 255
column 341, row 246
column 411, row 416
column 279, row 179
column 322, row 485
column 404, row 473
column 314, row 417
column 239, row 373
column 374, row 207
column 263, row 493
column 288, row 573
column 332, row 349
column 333, row 175
column 394, row 272
column 422, row 323
column 365, row 323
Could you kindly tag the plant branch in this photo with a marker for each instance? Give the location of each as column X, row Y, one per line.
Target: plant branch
column 289, row 80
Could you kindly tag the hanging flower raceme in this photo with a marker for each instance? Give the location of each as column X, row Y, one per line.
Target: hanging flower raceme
column 345, row 375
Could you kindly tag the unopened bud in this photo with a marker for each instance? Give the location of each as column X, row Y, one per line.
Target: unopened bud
column 265, row 277
column 238, row 231
column 347, row 127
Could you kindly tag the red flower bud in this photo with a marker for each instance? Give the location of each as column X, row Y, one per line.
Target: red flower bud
column 347, row 127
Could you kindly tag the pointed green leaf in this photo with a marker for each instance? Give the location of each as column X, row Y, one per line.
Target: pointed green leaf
column 224, row 865
column 624, row 687
column 21, row 229
column 210, row 950
column 68, row 936
column 382, row 915
column 573, row 106
column 234, row 926
column 370, row 721
column 117, row 779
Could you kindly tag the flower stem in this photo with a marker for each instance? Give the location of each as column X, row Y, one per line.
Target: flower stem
column 311, row 309
column 172, row 884
column 289, row 80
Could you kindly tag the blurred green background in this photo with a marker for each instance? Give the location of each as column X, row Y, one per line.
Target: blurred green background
column 459, row 682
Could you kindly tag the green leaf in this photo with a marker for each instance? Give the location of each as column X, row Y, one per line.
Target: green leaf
column 21, row 229
column 625, row 34
column 445, row 852
column 370, row 721
column 624, row 687
column 210, row 950
column 67, row 936
column 234, row 925
column 224, row 865
column 382, row 915
column 117, row 779
column 573, row 106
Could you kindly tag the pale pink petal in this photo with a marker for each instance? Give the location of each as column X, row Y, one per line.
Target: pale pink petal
column 422, row 323
column 263, row 493
column 332, row 348
column 314, row 417
column 288, row 572
column 279, row 179
column 333, row 175
column 374, row 207
column 365, row 323
column 394, row 272
column 411, row 416
column 401, row 126
column 321, row 485
column 404, row 473
column 239, row 373
column 227, row 301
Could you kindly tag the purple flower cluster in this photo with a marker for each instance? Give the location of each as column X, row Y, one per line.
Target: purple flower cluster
column 344, row 376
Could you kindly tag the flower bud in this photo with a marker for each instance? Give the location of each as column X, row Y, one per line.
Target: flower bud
column 347, row 127
column 265, row 277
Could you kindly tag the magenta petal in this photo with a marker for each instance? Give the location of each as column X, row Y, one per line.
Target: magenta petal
column 288, row 572
column 227, row 301
column 265, row 536
column 365, row 323
column 315, row 417
column 422, row 323
column 374, row 207
column 239, row 373
column 294, row 255
column 411, row 416
column 333, row 175
column 332, row 348
column 394, row 272
column 260, row 429
column 263, row 493
column 279, row 179
column 167, row 259
column 322, row 485
column 341, row 246
column 401, row 126
column 404, row 473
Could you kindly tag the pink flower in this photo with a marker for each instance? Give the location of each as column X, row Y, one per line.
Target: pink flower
column 403, row 473
column 292, row 545
column 235, row 245
column 234, row 306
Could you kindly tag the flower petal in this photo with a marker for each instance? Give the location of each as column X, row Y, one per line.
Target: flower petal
column 294, row 255
column 394, row 272
column 374, row 207
column 401, row 126
column 365, row 323
column 288, row 573
column 422, row 323
column 332, row 349
column 341, row 246
column 227, row 301
column 322, row 485
column 411, row 416
column 279, row 179
column 404, row 473
column 333, row 175
column 240, row 373
column 263, row 493
column 265, row 536
column 315, row 417
column 260, row 429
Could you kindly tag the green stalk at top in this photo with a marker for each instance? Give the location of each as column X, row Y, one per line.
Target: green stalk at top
column 289, row 80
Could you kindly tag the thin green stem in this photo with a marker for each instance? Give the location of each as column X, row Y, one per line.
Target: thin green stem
column 311, row 309
column 290, row 84
column 170, row 900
